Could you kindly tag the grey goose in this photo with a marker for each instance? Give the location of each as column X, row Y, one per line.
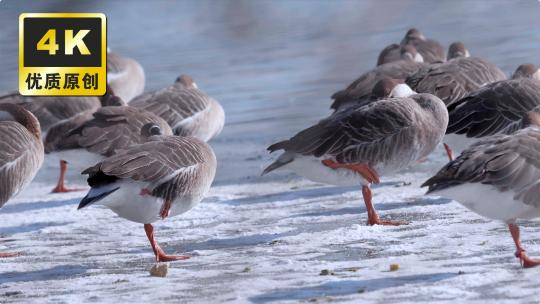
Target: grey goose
column 359, row 91
column 21, row 152
column 454, row 79
column 125, row 76
column 500, row 107
column 429, row 50
column 358, row 144
column 187, row 109
column 166, row 176
column 101, row 134
column 499, row 178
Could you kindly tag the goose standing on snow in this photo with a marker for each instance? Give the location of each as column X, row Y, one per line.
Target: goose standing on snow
column 188, row 110
column 359, row 91
column 21, row 152
column 108, row 129
column 500, row 107
column 454, row 79
column 499, row 178
column 125, row 76
column 356, row 145
column 430, row 50
column 164, row 177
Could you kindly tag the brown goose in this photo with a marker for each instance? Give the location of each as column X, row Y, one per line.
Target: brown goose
column 103, row 132
column 499, row 178
column 165, row 176
column 21, row 152
column 188, row 110
column 453, row 80
column 355, row 145
column 429, row 50
column 125, row 76
column 51, row 110
column 359, row 91
column 500, row 107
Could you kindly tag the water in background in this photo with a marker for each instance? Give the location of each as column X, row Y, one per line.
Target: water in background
column 274, row 64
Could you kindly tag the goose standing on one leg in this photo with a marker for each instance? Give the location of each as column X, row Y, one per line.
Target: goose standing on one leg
column 164, row 177
column 499, row 178
column 21, row 152
column 354, row 146
column 188, row 110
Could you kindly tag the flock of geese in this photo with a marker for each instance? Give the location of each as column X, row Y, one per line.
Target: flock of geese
column 153, row 160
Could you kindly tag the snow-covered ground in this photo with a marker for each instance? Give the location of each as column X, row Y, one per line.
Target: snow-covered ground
column 267, row 239
column 264, row 242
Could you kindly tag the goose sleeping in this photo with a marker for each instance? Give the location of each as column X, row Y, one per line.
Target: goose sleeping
column 21, row 152
column 164, row 177
column 499, row 178
column 356, row 145
column 101, row 134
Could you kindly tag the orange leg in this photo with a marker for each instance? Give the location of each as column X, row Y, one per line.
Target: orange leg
column 372, row 177
column 60, row 187
column 525, row 261
column 161, row 256
column 365, row 170
column 164, row 212
column 373, row 217
column 9, row 254
column 449, row 152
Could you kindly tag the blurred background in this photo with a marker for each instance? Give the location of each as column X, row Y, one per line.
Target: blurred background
column 274, row 64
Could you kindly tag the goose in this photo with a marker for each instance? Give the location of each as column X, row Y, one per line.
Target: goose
column 21, row 152
column 429, row 50
column 357, row 145
column 500, row 107
column 166, row 176
column 125, row 76
column 188, row 110
column 100, row 134
column 499, row 178
column 50, row 110
column 359, row 91
column 454, row 79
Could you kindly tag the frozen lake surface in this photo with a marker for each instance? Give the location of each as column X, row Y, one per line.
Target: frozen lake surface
column 273, row 66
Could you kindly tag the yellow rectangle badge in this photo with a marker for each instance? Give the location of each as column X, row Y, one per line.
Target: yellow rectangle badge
column 62, row 54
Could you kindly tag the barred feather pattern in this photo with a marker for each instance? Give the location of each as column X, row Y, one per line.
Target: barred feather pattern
column 455, row 79
column 508, row 162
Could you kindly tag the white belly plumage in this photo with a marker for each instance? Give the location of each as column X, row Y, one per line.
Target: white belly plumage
column 487, row 201
column 128, row 203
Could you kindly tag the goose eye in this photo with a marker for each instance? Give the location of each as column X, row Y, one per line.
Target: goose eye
column 155, row 130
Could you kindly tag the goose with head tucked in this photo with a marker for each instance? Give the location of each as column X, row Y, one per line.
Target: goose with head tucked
column 21, row 152
column 125, row 76
column 358, row 144
column 429, row 50
column 166, row 176
column 101, row 134
column 499, row 178
column 454, row 79
column 501, row 107
column 51, row 110
column 188, row 110
column 359, row 91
